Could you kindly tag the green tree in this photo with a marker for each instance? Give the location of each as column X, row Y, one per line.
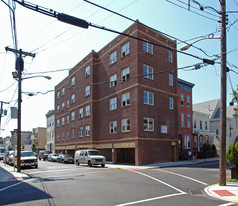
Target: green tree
column 235, row 96
column 34, row 147
column 23, row 147
column 232, row 154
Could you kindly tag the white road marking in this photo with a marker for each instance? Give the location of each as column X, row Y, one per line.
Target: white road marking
column 203, row 183
column 154, row 198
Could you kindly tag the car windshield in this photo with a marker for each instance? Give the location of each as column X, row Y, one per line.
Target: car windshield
column 47, row 152
column 93, row 153
column 68, row 156
column 27, row 154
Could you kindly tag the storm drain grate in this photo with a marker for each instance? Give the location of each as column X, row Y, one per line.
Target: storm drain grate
column 196, row 192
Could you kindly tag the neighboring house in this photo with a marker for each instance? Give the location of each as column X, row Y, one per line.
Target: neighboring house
column 122, row 100
column 50, row 131
column 212, row 109
column 25, row 137
column 185, row 116
column 39, row 137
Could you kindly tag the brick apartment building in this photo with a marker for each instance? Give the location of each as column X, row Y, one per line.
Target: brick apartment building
column 185, row 117
column 122, row 100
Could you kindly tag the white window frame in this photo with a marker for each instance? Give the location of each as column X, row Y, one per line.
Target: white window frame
column 72, row 134
column 182, row 99
column 73, row 81
column 113, row 80
column 148, row 47
column 148, row 72
column 125, row 49
column 62, row 121
column 58, row 122
column 148, row 124
column 57, row 137
column 87, row 91
column 80, row 131
column 72, row 116
column 188, row 101
column 87, row 130
column 87, row 71
column 125, row 125
column 62, row 106
column 113, row 127
column 171, row 82
column 72, row 98
column 189, row 120
column 195, row 124
column 87, row 110
column 62, row 136
column 171, row 103
column 58, row 94
column 58, row 109
column 148, row 98
column 67, row 103
column 80, row 113
column 125, row 74
column 67, row 119
column 187, row 141
column 125, row 99
column 67, row 135
column 113, row 103
column 113, row 57
column 63, row 92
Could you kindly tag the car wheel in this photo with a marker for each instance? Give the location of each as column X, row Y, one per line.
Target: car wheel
column 103, row 165
column 89, row 164
column 36, row 166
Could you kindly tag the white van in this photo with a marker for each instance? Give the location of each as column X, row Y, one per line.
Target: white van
column 90, row 157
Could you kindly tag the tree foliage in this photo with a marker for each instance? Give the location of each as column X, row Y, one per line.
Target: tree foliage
column 232, row 154
column 34, row 147
column 235, row 96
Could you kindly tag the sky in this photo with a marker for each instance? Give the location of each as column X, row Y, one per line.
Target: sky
column 59, row 46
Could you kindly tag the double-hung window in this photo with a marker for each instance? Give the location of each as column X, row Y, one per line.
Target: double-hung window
column 148, row 98
column 87, row 130
column 62, row 136
column 148, row 124
column 67, row 119
column 171, row 80
column 125, row 125
column 171, row 103
column 58, row 109
column 87, row 110
column 72, row 98
column 182, row 120
column 113, row 127
column 113, row 57
column 113, row 81
column 125, row 99
column 125, row 49
column 80, row 113
column 113, row 104
column 170, row 57
column 73, row 81
column 182, row 99
column 87, row 90
column 188, row 101
column 62, row 121
column 125, row 74
column 72, row 116
column 58, row 95
column 87, row 71
column 72, row 133
column 189, row 120
column 62, row 106
column 147, row 47
column 58, row 123
column 147, row 71
column 63, row 92
column 80, row 131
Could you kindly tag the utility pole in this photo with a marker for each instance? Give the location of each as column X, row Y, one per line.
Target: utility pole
column 19, row 68
column 1, row 110
column 222, row 163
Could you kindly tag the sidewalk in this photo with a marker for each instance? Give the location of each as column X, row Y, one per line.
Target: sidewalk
column 7, row 173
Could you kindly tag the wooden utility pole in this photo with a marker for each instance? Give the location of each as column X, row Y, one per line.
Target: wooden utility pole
column 19, row 69
column 222, row 163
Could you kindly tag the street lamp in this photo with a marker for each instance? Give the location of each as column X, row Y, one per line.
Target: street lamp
column 210, row 36
column 18, row 75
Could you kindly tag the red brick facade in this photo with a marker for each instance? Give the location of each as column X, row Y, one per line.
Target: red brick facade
column 185, row 116
column 142, row 102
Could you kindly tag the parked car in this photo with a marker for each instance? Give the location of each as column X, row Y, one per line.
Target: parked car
column 65, row 158
column 90, row 157
column 1, row 156
column 9, row 157
column 53, row 157
column 43, row 154
column 28, row 159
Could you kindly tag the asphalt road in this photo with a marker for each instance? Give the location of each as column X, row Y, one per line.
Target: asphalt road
column 64, row 184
